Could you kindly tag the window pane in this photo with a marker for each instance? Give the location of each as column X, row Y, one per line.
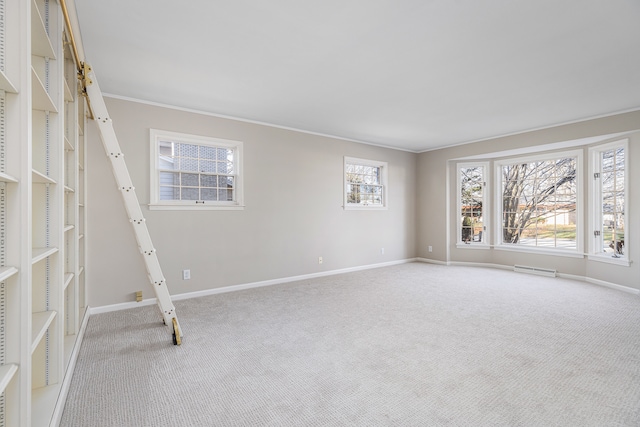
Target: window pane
column 208, row 181
column 207, row 166
column 207, row 153
column 169, row 178
column 189, row 165
column 209, row 194
column 539, row 203
column 189, row 179
column 169, row 193
column 187, row 150
column 190, row 194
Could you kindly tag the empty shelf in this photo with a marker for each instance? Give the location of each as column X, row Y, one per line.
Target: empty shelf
column 40, row 322
column 6, row 373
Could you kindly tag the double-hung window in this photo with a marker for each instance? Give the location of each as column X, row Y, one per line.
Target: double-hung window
column 608, row 188
column 365, row 184
column 472, row 204
column 195, row 172
column 539, row 203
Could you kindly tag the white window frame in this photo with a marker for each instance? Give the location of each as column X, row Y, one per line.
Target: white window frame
column 156, row 204
column 578, row 252
column 595, row 211
column 383, row 166
column 486, row 211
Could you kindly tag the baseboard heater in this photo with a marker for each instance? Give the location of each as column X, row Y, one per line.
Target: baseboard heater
column 534, row 270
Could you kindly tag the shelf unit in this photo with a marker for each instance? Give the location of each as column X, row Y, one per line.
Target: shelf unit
column 42, row 214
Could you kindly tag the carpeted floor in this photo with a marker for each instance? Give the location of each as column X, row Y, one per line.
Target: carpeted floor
column 408, row 345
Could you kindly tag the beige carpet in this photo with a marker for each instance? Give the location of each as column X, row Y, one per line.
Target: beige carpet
column 408, row 345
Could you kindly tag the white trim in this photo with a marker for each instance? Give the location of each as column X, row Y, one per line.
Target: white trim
column 624, row 262
column 497, row 233
column 71, row 367
column 253, row 122
column 471, row 245
column 590, row 280
column 432, row 261
column 612, row 285
column 384, row 175
column 154, row 191
column 570, row 253
column 241, row 287
column 595, row 194
column 522, row 132
column 486, row 205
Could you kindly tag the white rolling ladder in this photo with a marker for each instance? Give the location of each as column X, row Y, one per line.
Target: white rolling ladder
column 121, row 174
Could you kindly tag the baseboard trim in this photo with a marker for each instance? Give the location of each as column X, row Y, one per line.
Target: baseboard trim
column 613, row 286
column 598, row 282
column 244, row 286
column 432, row 261
column 66, row 382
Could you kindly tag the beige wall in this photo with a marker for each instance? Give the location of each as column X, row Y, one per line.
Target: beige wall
column 293, row 215
column 436, row 200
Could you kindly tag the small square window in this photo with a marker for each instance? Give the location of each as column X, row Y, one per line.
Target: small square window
column 195, row 172
column 365, row 184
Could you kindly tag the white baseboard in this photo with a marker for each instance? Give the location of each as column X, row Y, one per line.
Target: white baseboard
column 613, row 285
column 560, row 275
column 66, row 382
column 432, row 261
column 233, row 288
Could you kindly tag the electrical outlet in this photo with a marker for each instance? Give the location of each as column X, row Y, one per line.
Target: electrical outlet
column 186, row 274
column 381, row 251
column 319, row 260
column 430, row 248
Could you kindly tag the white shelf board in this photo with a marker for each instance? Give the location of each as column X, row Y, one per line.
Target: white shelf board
column 40, row 178
column 81, row 236
column 5, row 83
column 6, row 272
column 43, row 403
column 6, row 374
column 40, row 98
column 68, row 189
column 67, row 279
column 40, row 41
column 67, row 144
column 80, row 270
column 69, row 227
column 68, row 95
column 69, row 344
column 38, row 254
column 40, row 322
column 7, row 178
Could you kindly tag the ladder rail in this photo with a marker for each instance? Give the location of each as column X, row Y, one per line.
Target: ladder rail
column 131, row 203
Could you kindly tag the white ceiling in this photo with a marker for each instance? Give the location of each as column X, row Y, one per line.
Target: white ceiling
column 410, row 74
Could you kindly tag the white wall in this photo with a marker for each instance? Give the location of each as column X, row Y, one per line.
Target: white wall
column 437, row 228
column 293, row 215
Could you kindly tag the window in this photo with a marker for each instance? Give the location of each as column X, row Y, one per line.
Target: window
column 538, row 203
column 472, row 204
column 365, row 184
column 609, row 202
column 195, row 172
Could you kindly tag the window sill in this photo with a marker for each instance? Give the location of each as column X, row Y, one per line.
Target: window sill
column 541, row 251
column 365, row 208
column 610, row 260
column 190, row 207
column 473, row 246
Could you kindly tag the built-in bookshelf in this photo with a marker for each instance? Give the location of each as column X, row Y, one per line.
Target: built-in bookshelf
column 42, row 214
